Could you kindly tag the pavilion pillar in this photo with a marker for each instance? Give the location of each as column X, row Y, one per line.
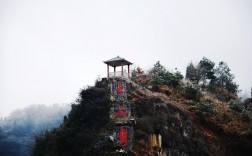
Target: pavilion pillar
column 114, row 71
column 129, row 71
column 122, row 69
column 107, row 71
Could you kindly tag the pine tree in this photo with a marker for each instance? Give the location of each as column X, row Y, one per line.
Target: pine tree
column 192, row 73
column 224, row 78
column 206, row 69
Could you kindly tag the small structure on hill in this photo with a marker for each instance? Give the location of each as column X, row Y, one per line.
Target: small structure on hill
column 116, row 62
column 120, row 112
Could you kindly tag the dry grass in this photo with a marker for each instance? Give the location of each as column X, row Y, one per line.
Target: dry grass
column 224, row 118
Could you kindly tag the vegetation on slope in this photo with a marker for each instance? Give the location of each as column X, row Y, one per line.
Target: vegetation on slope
column 80, row 130
column 213, row 110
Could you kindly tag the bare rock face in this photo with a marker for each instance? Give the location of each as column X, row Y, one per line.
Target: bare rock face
column 173, row 126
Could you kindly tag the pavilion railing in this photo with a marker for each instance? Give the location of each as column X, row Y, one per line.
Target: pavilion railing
column 118, row 74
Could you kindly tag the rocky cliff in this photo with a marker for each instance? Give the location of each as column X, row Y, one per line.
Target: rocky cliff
column 164, row 122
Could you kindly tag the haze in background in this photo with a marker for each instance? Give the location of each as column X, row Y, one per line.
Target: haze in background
column 18, row 131
column 51, row 49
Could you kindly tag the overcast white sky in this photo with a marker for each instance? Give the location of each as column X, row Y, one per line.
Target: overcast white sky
column 50, row 49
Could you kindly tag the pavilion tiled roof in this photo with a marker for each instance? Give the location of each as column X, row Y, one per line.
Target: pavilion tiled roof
column 117, row 61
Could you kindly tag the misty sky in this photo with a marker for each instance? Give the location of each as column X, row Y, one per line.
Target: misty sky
column 50, row 49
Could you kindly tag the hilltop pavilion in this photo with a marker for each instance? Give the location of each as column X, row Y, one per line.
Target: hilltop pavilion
column 115, row 62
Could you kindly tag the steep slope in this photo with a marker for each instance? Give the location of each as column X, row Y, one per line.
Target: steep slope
column 166, row 123
column 81, row 128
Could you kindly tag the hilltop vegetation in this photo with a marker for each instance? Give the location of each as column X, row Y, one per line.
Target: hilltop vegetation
column 196, row 115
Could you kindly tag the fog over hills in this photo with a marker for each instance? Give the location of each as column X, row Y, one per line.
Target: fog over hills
column 17, row 131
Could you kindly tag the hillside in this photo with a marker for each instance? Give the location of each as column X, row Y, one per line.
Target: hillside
column 169, row 115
